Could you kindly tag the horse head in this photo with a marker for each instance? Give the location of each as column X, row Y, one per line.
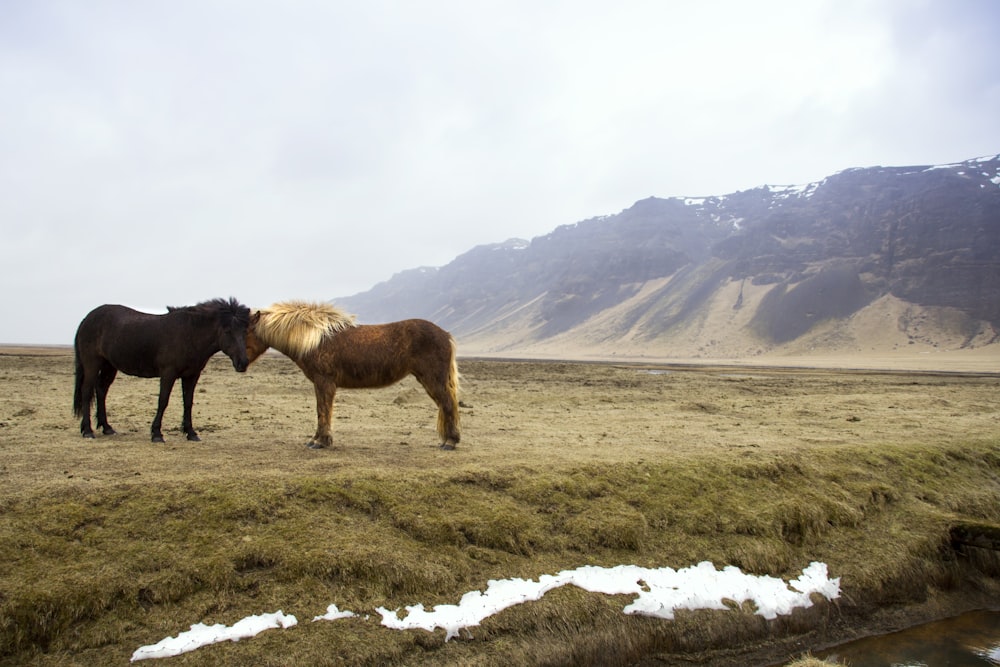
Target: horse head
column 234, row 321
column 254, row 345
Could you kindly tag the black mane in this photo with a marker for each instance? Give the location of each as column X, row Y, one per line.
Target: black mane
column 227, row 311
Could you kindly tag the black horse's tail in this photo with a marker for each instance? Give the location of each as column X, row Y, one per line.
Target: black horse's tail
column 79, row 409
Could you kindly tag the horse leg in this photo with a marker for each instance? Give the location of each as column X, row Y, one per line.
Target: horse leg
column 166, row 386
column 104, row 379
column 439, row 389
column 325, row 392
column 187, row 385
column 86, row 401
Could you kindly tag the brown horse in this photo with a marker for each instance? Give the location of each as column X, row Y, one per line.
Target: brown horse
column 335, row 352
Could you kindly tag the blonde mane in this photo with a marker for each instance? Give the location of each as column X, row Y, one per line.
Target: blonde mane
column 298, row 327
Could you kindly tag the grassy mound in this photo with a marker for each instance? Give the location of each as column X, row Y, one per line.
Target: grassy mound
column 95, row 574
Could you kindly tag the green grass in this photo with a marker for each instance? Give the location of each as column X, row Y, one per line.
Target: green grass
column 88, row 576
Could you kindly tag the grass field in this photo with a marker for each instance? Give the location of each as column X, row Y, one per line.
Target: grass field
column 115, row 543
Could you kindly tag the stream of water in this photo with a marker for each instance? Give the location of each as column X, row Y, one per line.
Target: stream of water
column 969, row 640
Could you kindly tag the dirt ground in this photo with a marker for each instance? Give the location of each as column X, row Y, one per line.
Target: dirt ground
column 513, row 412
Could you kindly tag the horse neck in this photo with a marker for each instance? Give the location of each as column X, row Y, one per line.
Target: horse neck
column 203, row 332
column 256, row 348
column 285, row 349
column 282, row 342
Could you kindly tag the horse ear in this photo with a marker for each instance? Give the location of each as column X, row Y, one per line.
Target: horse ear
column 254, row 317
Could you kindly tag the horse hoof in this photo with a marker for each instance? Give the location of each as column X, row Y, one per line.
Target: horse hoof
column 448, row 447
column 109, row 431
column 158, row 438
column 193, row 437
column 315, row 445
column 89, row 436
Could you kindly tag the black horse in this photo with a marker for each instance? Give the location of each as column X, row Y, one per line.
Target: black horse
column 175, row 345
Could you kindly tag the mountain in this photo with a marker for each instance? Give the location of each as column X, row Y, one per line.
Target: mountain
column 880, row 258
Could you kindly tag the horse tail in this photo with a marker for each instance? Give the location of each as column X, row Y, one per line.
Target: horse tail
column 452, row 388
column 79, row 409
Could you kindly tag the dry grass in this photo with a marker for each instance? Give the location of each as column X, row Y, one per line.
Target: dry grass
column 111, row 544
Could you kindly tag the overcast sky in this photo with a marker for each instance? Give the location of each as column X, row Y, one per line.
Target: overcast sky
column 167, row 152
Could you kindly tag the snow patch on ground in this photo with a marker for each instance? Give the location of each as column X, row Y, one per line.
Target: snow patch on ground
column 659, row 592
column 202, row 635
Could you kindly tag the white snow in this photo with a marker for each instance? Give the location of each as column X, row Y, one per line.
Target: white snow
column 958, row 167
column 659, row 592
column 786, row 191
column 202, row 635
column 332, row 614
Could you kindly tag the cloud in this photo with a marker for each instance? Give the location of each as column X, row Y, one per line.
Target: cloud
column 176, row 151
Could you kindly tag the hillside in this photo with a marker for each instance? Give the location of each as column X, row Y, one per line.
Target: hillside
column 872, row 260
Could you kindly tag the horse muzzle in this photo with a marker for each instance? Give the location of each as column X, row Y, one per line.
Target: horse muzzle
column 241, row 365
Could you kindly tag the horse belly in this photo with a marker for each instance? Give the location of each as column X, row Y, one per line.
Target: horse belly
column 350, row 370
column 372, row 380
column 143, row 367
column 132, row 352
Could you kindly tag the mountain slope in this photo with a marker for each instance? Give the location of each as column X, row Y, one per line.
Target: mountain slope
column 916, row 249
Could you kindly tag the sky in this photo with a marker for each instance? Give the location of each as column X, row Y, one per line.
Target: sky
column 168, row 152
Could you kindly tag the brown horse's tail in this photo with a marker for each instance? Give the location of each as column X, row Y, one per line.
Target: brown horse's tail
column 449, row 433
column 79, row 409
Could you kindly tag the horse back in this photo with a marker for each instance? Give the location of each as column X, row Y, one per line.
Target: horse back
column 371, row 355
column 135, row 343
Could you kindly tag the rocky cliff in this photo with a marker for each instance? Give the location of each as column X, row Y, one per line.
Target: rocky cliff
column 904, row 255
